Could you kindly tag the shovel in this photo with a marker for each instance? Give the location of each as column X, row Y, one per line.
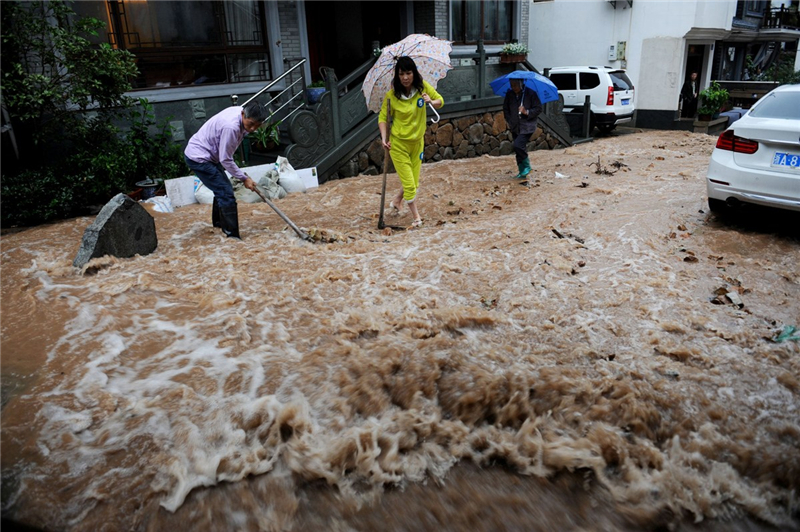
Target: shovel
column 286, row 219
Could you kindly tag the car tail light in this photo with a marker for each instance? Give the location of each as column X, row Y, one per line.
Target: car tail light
column 730, row 142
column 610, row 99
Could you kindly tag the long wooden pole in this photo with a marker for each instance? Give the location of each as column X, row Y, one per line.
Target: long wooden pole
column 286, row 219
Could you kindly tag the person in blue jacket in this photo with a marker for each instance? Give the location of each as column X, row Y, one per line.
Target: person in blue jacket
column 521, row 109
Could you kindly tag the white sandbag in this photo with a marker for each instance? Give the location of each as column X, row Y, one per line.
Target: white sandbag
column 268, row 186
column 160, row 203
column 180, row 190
column 272, row 189
column 245, row 195
column 266, row 177
column 289, row 179
column 204, row 195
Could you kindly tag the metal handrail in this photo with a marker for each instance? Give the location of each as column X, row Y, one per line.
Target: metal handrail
column 290, row 100
column 274, row 82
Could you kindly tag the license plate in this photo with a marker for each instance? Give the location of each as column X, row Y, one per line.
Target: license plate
column 626, row 102
column 788, row 160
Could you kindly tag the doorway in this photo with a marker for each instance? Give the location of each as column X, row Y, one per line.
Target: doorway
column 694, row 61
column 695, row 58
column 340, row 34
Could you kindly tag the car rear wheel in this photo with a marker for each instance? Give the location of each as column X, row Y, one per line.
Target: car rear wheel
column 716, row 205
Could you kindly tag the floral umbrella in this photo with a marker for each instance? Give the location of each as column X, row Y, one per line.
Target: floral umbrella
column 431, row 55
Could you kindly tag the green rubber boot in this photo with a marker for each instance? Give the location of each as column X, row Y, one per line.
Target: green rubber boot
column 525, row 168
column 519, row 175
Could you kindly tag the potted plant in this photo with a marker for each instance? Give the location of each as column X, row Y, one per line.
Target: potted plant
column 714, row 97
column 513, row 52
column 266, row 138
column 315, row 91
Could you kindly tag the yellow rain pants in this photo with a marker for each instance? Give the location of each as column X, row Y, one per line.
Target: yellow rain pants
column 407, row 159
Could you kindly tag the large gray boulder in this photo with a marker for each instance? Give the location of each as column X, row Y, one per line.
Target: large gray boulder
column 122, row 229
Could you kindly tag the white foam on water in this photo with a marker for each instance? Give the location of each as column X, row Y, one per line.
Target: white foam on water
column 379, row 363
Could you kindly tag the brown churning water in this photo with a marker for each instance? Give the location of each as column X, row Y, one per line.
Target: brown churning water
column 562, row 332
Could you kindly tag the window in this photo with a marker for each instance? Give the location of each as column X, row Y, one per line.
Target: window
column 755, row 8
column 621, row 81
column 187, row 43
column 778, row 105
column 564, row 82
column 589, row 80
column 489, row 20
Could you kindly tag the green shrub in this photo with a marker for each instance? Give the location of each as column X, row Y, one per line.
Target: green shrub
column 782, row 70
column 50, row 68
column 37, row 196
column 155, row 154
column 63, row 109
column 713, row 98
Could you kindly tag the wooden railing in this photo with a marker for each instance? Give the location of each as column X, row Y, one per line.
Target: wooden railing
column 782, row 18
column 745, row 93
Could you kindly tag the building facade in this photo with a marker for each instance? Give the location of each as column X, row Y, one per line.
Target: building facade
column 193, row 56
column 661, row 42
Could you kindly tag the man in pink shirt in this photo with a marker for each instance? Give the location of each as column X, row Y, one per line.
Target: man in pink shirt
column 210, row 152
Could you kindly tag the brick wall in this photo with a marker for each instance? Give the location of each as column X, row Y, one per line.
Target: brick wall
column 524, row 28
column 290, row 31
column 442, row 15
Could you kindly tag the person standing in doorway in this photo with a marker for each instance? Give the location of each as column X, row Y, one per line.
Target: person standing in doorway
column 521, row 109
column 406, row 102
column 689, row 95
column 210, row 152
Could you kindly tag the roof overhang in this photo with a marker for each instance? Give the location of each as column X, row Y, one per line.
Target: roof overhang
column 779, row 34
column 707, row 34
column 742, row 35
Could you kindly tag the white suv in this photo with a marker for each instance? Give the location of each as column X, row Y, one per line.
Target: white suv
column 610, row 91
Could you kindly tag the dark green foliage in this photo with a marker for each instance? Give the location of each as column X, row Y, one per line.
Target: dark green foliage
column 50, row 68
column 36, row 196
column 154, row 152
column 64, row 95
column 783, row 70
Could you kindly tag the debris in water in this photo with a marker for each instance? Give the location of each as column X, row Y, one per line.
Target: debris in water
column 602, row 170
column 559, row 234
column 489, row 304
column 735, row 299
column 724, row 296
column 324, row 235
column 790, row 333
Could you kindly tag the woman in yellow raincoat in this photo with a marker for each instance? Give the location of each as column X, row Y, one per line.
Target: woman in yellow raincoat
column 406, row 102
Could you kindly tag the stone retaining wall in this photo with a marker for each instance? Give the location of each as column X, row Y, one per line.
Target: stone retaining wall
column 454, row 138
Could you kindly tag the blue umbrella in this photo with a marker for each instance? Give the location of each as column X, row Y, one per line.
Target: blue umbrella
column 543, row 87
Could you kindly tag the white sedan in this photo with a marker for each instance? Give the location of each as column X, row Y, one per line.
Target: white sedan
column 757, row 159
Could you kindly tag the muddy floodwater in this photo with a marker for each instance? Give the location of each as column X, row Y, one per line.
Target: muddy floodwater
column 594, row 351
